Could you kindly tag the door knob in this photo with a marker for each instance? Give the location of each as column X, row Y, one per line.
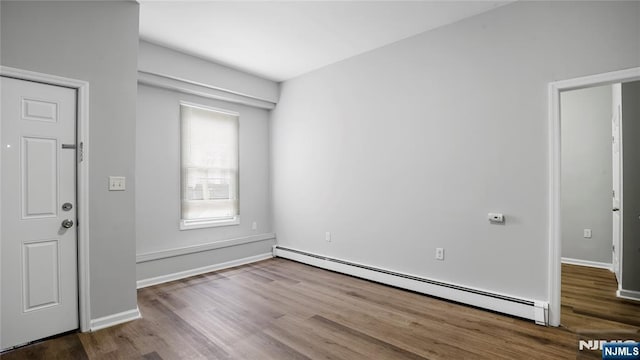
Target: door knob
column 67, row 223
column 616, row 209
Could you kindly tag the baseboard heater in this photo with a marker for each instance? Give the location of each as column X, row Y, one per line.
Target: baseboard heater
column 528, row 309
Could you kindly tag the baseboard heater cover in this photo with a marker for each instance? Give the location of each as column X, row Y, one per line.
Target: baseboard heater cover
column 528, row 309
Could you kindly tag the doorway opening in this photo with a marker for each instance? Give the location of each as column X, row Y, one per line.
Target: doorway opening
column 560, row 224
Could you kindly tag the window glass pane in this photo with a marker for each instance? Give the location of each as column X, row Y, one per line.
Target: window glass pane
column 209, row 164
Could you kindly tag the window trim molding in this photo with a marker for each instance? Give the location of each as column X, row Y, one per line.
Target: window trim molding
column 209, row 108
column 208, row 223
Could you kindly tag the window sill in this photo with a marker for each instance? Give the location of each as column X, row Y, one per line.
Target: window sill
column 208, row 223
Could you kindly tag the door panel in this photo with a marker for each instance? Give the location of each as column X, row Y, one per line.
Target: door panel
column 39, row 183
column 39, row 296
column 39, row 110
column 41, row 280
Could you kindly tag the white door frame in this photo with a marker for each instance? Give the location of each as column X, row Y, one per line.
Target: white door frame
column 82, row 172
column 555, row 255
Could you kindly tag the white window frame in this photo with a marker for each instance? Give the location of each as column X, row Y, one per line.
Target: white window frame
column 189, row 224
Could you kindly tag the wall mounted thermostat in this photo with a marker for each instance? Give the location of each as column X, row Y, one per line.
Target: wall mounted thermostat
column 496, row 218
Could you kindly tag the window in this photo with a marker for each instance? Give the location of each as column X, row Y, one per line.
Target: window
column 209, row 140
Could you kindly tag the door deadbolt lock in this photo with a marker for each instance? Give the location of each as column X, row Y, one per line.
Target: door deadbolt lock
column 67, row 223
column 67, row 206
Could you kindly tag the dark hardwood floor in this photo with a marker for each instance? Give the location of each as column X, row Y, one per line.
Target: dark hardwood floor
column 279, row 309
column 589, row 302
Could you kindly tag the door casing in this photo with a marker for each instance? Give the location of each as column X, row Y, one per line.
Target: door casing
column 554, row 226
column 82, row 181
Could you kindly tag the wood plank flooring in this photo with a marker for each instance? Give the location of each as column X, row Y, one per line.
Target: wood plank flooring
column 589, row 302
column 279, row 309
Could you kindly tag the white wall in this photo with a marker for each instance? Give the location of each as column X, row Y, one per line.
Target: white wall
column 631, row 189
column 408, row 147
column 158, row 167
column 158, row 186
column 586, row 173
column 95, row 41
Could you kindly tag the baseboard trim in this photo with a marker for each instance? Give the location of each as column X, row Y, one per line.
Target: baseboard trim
column 628, row 294
column 163, row 254
column 595, row 264
column 201, row 270
column 506, row 304
column 114, row 319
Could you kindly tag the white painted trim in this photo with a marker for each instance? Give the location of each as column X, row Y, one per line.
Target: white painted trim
column 528, row 309
column 628, row 294
column 555, row 249
column 201, row 270
column 162, row 254
column 554, row 233
column 115, row 319
column 199, row 89
column 594, row 264
column 82, row 88
column 209, row 108
column 208, row 223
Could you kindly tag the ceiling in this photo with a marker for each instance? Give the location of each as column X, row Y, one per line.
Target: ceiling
column 279, row 40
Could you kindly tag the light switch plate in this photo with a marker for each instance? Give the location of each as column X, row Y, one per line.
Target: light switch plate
column 117, row 183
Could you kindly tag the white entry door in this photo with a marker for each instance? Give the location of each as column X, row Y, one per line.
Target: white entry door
column 616, row 128
column 39, row 292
